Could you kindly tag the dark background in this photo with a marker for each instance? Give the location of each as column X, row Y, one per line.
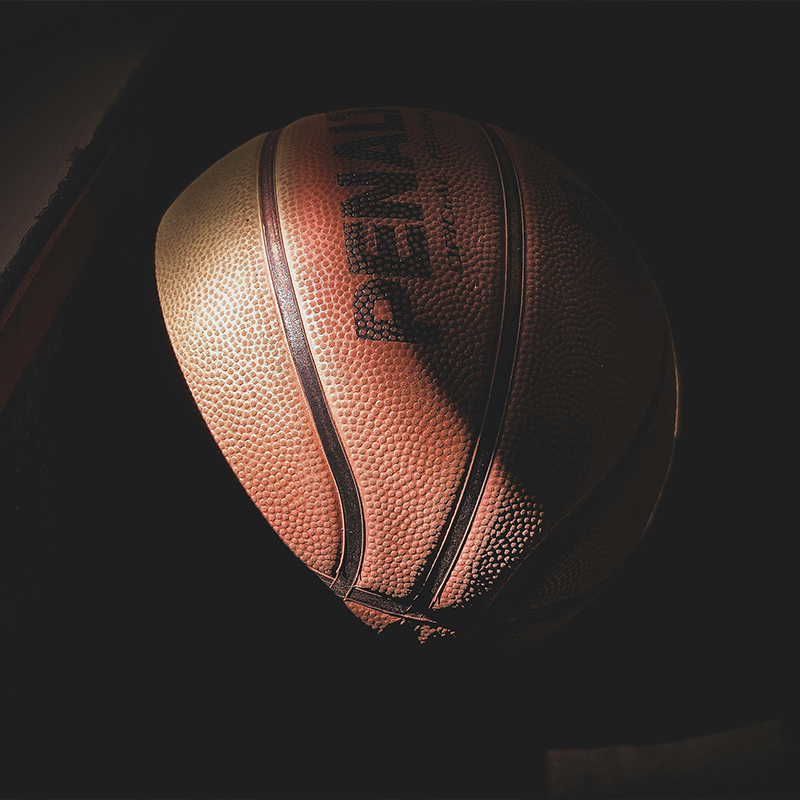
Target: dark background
column 151, row 649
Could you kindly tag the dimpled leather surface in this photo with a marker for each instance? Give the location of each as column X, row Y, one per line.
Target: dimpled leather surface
column 409, row 401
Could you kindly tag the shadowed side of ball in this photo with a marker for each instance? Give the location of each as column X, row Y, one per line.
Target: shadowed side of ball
column 433, row 359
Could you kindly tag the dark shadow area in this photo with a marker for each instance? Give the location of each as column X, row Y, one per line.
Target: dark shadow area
column 157, row 641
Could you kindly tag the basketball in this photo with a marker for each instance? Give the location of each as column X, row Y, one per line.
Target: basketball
column 434, row 360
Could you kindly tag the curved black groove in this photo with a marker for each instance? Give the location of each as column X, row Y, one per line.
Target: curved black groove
column 472, row 490
column 349, row 496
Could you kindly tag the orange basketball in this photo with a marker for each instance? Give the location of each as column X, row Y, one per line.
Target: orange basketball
column 433, row 359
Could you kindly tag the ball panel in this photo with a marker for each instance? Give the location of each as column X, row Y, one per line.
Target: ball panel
column 591, row 348
column 620, row 518
column 221, row 317
column 593, row 542
column 377, row 620
column 407, row 412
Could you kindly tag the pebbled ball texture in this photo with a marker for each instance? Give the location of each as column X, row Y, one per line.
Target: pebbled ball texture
column 492, row 356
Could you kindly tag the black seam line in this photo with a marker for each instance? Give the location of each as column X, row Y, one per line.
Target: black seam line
column 467, row 504
column 389, row 605
column 349, row 495
column 380, row 602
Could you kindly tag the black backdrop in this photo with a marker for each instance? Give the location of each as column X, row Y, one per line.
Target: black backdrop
column 160, row 655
